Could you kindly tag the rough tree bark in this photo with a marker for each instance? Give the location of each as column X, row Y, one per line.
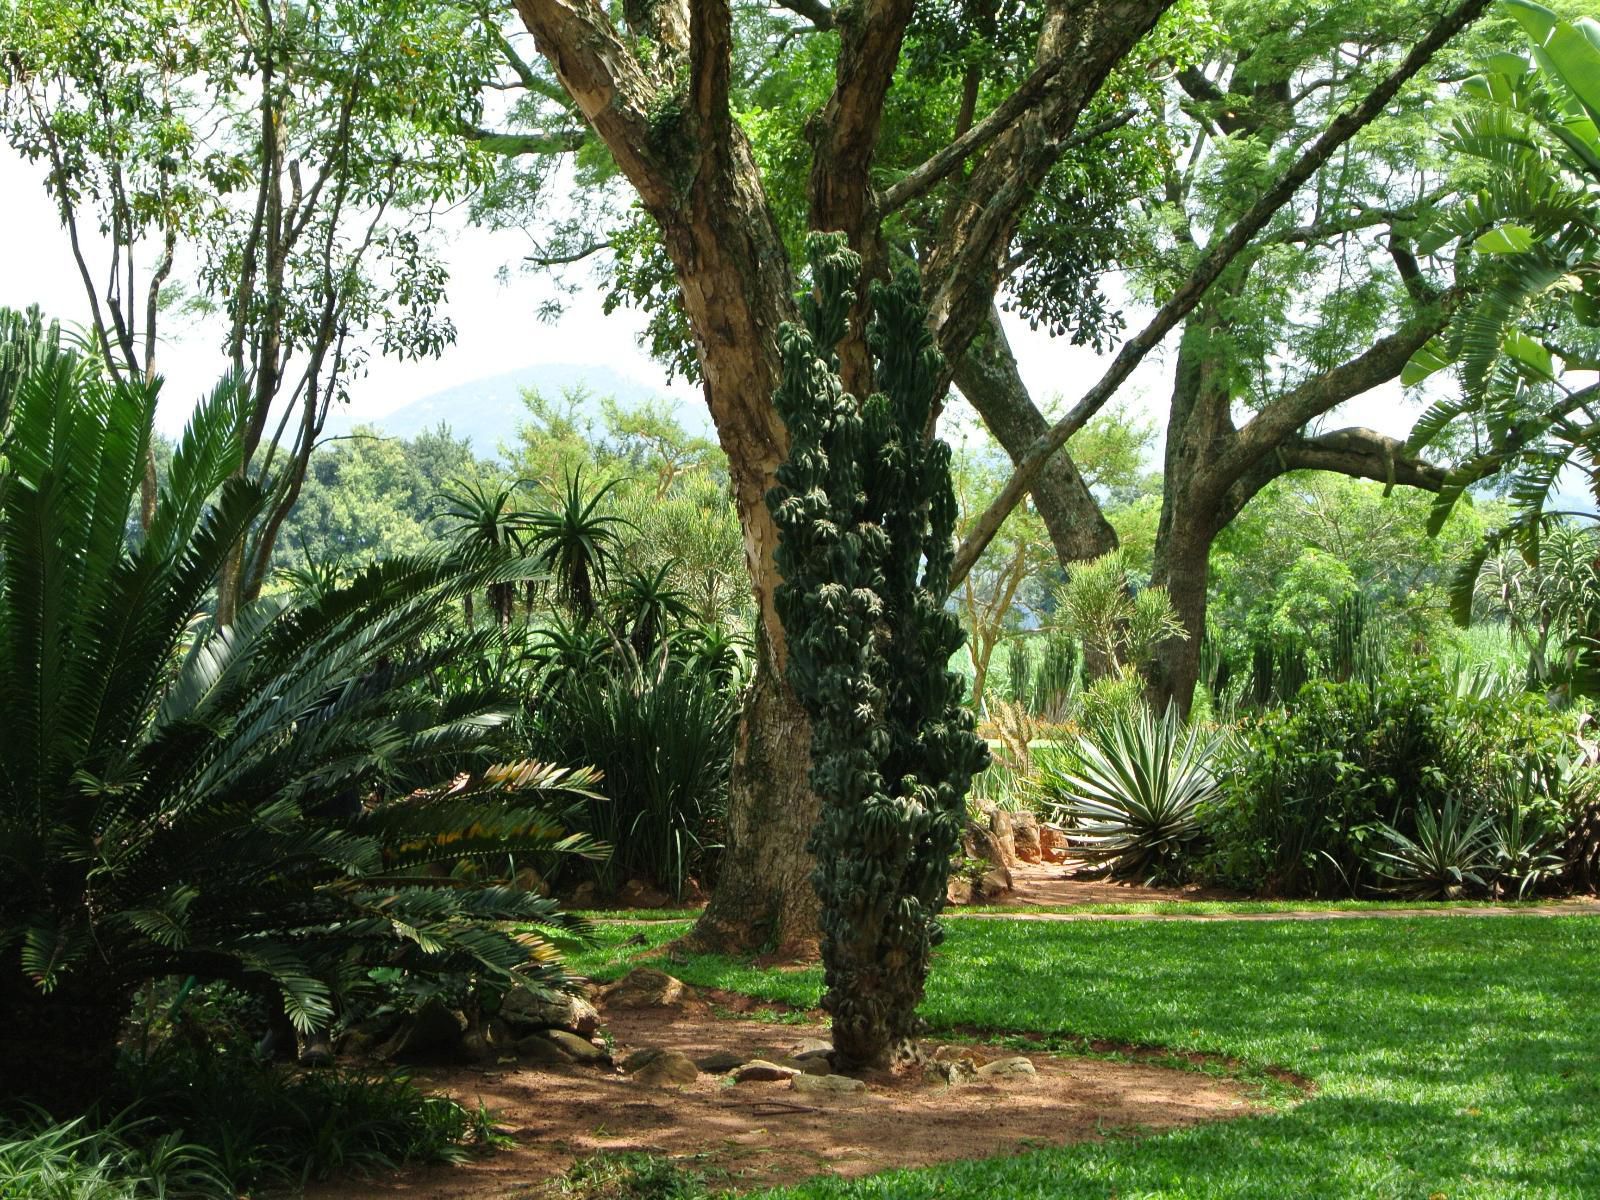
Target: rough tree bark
column 1213, row 468
column 988, row 377
column 666, row 121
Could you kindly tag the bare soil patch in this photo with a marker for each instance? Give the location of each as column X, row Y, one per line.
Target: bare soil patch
column 1056, row 884
column 752, row 1135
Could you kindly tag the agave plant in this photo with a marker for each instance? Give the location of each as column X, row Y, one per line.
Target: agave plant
column 230, row 803
column 1133, row 793
column 1448, row 859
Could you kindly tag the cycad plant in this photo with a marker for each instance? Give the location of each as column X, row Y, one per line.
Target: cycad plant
column 485, row 519
column 1133, row 794
column 235, row 803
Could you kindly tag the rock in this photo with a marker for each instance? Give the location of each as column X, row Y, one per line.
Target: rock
column 585, row 895
column 827, row 1085
column 720, row 1062
column 759, row 1070
column 540, row 1051
column 808, row 1047
column 668, row 1069
column 1007, row 1068
column 811, row 1066
column 1025, row 836
column 996, row 882
column 1052, row 844
column 431, row 1034
column 575, row 1048
column 636, row 893
column 1001, row 825
column 640, row 1059
column 958, row 890
column 523, row 1009
column 645, row 987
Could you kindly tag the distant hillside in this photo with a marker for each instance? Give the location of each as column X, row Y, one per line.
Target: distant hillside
column 488, row 411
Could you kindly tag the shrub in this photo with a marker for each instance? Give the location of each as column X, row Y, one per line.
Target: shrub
column 227, row 803
column 1134, row 796
column 1306, row 791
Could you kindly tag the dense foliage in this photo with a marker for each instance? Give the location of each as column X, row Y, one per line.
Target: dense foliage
column 254, row 803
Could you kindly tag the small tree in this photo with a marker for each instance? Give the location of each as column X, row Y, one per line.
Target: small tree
column 866, row 514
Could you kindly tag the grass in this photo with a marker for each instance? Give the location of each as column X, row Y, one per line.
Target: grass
column 1126, row 908
column 1453, row 1059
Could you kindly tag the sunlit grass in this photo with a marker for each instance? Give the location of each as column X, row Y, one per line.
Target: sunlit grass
column 1453, row 1058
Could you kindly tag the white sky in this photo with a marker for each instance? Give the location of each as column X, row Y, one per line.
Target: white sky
column 497, row 327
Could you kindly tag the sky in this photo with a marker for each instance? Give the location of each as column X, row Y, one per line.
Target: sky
column 498, row 331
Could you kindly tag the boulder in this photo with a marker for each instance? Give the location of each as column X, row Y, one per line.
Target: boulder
column 959, row 889
column 719, row 1062
column 1052, row 844
column 585, row 895
column 826, row 1086
column 1004, row 830
column 670, row 1068
column 1025, row 837
column 646, row 987
column 577, row 1049
column 523, row 1009
column 1007, row 1068
column 996, row 882
column 759, row 1070
column 636, row 893
column 953, row 1071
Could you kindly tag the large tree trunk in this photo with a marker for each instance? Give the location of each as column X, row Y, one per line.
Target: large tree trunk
column 764, row 899
column 1182, row 565
column 58, row 1051
column 988, row 377
column 1199, row 429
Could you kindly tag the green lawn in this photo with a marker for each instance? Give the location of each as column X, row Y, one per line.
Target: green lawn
column 1453, row 1058
column 1132, row 908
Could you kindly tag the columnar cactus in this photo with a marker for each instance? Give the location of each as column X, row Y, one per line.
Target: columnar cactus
column 866, row 518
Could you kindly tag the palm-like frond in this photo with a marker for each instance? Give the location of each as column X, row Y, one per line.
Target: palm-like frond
column 237, row 802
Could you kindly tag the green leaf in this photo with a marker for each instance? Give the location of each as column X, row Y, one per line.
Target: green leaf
column 1532, row 354
column 1576, row 60
column 1433, row 356
column 1507, row 239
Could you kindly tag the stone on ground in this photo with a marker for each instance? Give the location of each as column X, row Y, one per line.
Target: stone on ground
column 759, row 1070
column 1007, row 1068
column 523, row 1009
column 720, row 1062
column 827, row 1085
column 670, row 1068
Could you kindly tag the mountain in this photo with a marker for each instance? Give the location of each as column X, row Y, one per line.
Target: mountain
column 488, row 411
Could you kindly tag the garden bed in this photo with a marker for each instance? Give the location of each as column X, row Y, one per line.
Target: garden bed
column 762, row 1134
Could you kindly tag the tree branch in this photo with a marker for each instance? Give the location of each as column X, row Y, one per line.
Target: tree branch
column 815, row 11
column 1205, row 273
column 919, row 180
column 564, row 141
